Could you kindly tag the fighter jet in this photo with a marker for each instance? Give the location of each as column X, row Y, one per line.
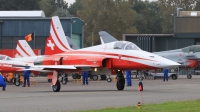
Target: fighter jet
column 188, row 57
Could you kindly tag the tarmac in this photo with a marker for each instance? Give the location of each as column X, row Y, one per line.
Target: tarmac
column 96, row 95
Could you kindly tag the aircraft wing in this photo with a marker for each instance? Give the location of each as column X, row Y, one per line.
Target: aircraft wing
column 53, row 67
column 49, row 67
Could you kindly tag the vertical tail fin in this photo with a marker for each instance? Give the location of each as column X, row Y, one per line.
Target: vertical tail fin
column 23, row 49
column 56, row 42
column 106, row 37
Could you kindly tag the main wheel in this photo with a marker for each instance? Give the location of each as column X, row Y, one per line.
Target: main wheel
column 95, row 77
column 189, row 76
column 17, row 82
column 120, row 84
column 140, row 84
column 174, row 77
column 56, row 87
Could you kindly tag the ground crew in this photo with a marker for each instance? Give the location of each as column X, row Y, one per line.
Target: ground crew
column 26, row 77
column 128, row 78
column 2, row 82
column 85, row 77
column 165, row 77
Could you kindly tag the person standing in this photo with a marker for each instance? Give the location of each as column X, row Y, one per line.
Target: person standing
column 128, row 78
column 165, row 74
column 2, row 82
column 26, row 77
column 85, row 77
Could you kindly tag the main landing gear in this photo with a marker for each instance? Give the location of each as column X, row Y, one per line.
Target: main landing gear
column 55, row 82
column 17, row 80
column 57, row 86
column 120, row 80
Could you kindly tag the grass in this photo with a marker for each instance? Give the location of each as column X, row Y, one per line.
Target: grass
column 182, row 106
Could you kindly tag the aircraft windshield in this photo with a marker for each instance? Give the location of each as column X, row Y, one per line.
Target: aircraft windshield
column 193, row 48
column 126, row 45
column 3, row 57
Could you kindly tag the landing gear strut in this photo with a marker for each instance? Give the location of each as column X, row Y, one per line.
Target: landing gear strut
column 55, row 82
column 120, row 80
column 189, row 76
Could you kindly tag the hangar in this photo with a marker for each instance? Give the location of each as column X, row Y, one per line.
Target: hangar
column 15, row 25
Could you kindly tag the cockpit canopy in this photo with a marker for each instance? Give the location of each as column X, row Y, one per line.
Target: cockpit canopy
column 193, row 48
column 125, row 45
column 4, row 57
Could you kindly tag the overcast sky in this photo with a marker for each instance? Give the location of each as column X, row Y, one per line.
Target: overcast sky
column 72, row 1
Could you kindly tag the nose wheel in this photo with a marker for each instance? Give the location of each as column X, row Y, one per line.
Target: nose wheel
column 109, row 79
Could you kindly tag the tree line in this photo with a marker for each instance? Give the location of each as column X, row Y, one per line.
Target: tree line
column 117, row 17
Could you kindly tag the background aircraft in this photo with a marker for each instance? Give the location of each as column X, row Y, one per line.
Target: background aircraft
column 188, row 57
column 25, row 57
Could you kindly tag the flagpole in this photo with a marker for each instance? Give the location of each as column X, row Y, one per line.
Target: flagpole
column 34, row 40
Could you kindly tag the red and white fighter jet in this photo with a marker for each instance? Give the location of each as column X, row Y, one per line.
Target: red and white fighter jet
column 110, row 58
column 107, row 58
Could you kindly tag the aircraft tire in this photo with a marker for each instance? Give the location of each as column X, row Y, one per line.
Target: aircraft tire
column 49, row 80
column 78, row 76
column 73, row 76
column 13, row 80
column 64, row 81
column 109, row 79
column 189, row 76
column 120, row 84
column 95, row 77
column 174, row 77
column 57, row 86
column 140, row 84
column 17, row 82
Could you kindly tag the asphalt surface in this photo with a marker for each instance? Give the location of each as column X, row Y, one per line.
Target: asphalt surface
column 96, row 95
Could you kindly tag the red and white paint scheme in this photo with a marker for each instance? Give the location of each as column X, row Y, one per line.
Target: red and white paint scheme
column 23, row 49
column 114, row 56
column 101, row 59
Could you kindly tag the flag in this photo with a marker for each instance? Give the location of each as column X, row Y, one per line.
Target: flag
column 30, row 37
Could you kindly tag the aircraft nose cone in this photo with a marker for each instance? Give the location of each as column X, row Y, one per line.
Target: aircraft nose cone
column 165, row 63
column 170, row 64
column 197, row 54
